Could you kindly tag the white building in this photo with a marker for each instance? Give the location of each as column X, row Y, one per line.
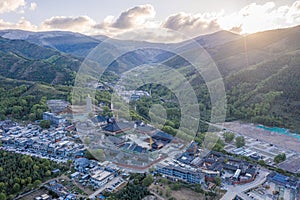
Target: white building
column 101, row 177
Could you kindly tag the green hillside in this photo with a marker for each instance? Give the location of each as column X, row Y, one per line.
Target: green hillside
column 25, row 61
column 26, row 100
column 260, row 72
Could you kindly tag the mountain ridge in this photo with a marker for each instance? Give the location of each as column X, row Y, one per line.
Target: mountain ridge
column 260, row 70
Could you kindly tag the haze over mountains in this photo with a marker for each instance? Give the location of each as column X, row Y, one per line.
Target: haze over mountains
column 261, row 71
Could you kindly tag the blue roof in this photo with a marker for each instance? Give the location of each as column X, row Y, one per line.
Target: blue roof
column 281, row 178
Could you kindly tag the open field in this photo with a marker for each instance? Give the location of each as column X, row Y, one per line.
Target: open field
column 252, row 131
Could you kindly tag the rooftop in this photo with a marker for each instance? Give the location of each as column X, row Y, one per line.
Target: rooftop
column 101, row 174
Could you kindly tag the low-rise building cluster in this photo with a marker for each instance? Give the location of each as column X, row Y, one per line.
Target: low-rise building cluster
column 192, row 168
column 54, row 143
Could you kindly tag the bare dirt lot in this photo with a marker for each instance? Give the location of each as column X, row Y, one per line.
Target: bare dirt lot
column 274, row 138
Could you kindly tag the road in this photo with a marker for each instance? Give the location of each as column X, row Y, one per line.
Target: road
column 237, row 190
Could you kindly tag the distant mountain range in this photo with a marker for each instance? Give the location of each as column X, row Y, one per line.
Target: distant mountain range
column 261, row 71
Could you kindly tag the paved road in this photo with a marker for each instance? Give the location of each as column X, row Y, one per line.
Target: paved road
column 239, row 189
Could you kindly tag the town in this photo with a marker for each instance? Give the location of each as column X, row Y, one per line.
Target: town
column 167, row 157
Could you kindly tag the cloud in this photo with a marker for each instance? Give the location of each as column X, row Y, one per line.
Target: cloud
column 132, row 18
column 80, row 23
column 192, row 25
column 33, row 6
column 21, row 24
column 259, row 17
column 11, row 5
column 236, row 29
column 249, row 19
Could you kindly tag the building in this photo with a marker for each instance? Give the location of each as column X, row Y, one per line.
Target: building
column 138, row 94
column 81, row 164
column 287, row 187
column 183, row 174
column 214, row 164
column 116, row 140
column 115, row 128
column 160, row 139
column 54, row 119
column 101, row 177
column 99, row 120
column 75, row 175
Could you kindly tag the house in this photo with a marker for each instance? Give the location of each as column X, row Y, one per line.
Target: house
column 75, row 174
column 70, row 197
column 81, row 164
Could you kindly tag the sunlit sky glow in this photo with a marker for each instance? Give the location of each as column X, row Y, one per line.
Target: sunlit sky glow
column 189, row 17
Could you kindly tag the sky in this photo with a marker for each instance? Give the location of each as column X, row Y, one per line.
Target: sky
column 189, row 17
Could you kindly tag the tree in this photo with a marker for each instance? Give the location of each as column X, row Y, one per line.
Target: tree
column 168, row 192
column 98, row 153
column 169, row 129
column 280, row 158
column 228, row 137
column 148, row 180
column 2, row 186
column 2, row 196
column 48, row 173
column 262, row 163
column 239, row 141
column 37, row 183
column 219, row 146
column 16, row 188
column 217, row 180
column 106, row 111
column 45, row 124
column 176, row 186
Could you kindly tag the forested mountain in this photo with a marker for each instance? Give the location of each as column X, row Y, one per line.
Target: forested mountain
column 68, row 42
column 260, row 70
column 261, row 76
column 26, row 61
